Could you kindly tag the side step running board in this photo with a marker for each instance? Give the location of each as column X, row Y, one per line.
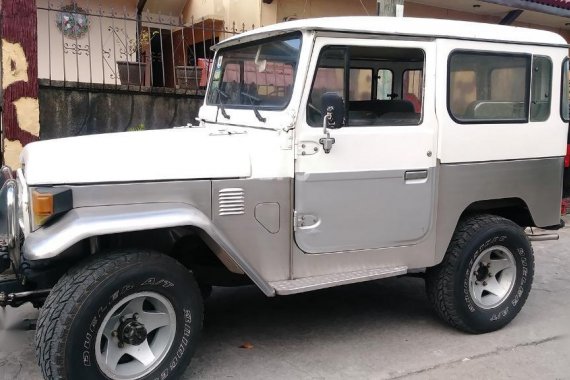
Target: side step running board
column 306, row 284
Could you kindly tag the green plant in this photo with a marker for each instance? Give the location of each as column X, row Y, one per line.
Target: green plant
column 138, row 127
column 142, row 42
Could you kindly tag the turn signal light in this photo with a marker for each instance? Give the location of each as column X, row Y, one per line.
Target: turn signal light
column 48, row 202
column 42, row 203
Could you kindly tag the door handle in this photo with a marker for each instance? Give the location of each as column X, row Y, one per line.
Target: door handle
column 414, row 175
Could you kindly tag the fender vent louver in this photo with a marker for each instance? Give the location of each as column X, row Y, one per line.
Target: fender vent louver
column 231, row 201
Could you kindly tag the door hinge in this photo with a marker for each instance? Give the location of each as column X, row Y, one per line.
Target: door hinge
column 306, row 148
column 304, row 221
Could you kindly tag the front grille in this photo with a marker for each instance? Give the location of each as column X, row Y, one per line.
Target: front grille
column 231, row 201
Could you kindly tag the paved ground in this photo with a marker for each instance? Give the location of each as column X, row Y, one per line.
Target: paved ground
column 379, row 330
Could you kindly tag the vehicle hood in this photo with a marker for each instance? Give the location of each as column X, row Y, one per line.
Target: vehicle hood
column 156, row 155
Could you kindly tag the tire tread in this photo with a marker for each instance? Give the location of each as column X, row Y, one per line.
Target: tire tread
column 439, row 279
column 66, row 298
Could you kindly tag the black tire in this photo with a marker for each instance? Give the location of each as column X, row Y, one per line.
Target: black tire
column 205, row 290
column 75, row 309
column 447, row 284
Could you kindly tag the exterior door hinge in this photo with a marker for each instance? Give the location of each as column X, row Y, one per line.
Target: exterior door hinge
column 304, row 221
column 306, row 148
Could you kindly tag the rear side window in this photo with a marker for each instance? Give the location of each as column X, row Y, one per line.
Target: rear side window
column 541, row 88
column 564, row 104
column 488, row 87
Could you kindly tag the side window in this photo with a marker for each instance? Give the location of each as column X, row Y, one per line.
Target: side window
column 564, row 103
column 385, row 84
column 488, row 87
column 541, row 88
column 412, row 83
column 362, row 108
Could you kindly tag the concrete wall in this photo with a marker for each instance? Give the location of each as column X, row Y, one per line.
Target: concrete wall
column 66, row 112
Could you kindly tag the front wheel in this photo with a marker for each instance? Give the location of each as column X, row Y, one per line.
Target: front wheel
column 485, row 276
column 129, row 315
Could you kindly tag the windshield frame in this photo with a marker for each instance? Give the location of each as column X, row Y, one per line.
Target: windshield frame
column 256, row 42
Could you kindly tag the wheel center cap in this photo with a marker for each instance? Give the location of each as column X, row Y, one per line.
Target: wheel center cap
column 482, row 272
column 132, row 332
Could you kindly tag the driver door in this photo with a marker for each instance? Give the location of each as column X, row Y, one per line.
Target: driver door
column 375, row 188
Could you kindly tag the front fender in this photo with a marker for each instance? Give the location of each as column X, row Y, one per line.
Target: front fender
column 81, row 223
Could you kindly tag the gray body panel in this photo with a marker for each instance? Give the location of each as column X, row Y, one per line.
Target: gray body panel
column 364, row 210
column 537, row 182
column 85, row 222
column 264, row 239
column 195, row 193
column 249, row 221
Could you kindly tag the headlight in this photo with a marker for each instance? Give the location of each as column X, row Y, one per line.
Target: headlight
column 48, row 202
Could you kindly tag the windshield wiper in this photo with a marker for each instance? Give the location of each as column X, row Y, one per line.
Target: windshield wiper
column 221, row 106
column 254, row 101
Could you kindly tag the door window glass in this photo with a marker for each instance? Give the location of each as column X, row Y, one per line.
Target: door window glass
column 360, row 84
column 361, row 107
column 329, row 78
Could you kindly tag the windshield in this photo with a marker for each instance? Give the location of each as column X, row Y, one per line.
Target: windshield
column 258, row 75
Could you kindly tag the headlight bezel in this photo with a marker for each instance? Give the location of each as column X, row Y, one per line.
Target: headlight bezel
column 23, row 212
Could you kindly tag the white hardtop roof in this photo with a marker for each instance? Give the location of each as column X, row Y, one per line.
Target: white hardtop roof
column 406, row 26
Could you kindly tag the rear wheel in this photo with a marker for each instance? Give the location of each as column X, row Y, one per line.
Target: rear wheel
column 124, row 316
column 485, row 276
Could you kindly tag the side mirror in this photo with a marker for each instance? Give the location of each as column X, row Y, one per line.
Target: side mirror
column 332, row 110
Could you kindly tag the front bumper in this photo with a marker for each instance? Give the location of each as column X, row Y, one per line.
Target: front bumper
column 10, row 241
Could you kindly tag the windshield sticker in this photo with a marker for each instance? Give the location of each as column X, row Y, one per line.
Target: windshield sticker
column 219, row 63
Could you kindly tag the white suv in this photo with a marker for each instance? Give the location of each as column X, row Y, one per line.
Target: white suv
column 329, row 151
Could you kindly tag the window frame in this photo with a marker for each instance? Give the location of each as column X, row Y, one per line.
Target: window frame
column 563, row 96
column 493, row 53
